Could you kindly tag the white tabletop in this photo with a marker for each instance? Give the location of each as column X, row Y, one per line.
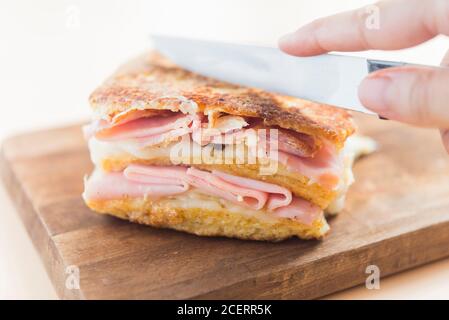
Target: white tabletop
column 54, row 53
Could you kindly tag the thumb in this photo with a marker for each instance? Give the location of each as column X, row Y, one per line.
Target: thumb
column 411, row 94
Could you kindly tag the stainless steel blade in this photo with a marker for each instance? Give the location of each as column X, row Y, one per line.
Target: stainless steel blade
column 330, row 79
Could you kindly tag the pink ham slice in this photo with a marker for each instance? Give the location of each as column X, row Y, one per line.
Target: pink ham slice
column 115, row 185
column 278, row 196
column 325, row 168
column 145, row 132
column 255, row 194
column 92, row 128
column 131, row 115
column 157, row 182
column 203, row 136
column 144, row 127
column 301, row 210
column 156, row 129
column 157, row 139
column 170, row 176
column 210, row 184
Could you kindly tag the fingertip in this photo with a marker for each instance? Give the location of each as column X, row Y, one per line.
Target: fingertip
column 287, row 43
column 292, row 44
column 300, row 43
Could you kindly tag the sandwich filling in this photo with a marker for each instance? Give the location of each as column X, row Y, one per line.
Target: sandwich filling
column 153, row 134
column 149, row 136
column 156, row 182
column 175, row 149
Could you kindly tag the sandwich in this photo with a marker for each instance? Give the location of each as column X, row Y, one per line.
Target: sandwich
column 174, row 149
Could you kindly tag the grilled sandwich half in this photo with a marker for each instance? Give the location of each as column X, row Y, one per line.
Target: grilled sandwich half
column 178, row 150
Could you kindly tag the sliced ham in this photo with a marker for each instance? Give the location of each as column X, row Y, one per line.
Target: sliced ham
column 289, row 141
column 157, row 182
column 151, row 127
column 296, row 143
column 210, row 184
column 231, row 130
column 157, row 175
column 278, row 196
column 115, row 185
column 133, row 114
column 162, row 138
column 145, row 132
column 301, row 210
column 299, row 153
column 157, row 125
column 144, row 127
column 119, row 119
column 324, row 168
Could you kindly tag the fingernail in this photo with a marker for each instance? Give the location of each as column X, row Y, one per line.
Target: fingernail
column 373, row 93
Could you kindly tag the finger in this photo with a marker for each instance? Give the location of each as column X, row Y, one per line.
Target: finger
column 415, row 95
column 400, row 24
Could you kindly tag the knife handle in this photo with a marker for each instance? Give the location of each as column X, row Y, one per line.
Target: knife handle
column 375, row 65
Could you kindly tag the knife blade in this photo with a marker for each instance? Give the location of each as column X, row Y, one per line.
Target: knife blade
column 329, row 78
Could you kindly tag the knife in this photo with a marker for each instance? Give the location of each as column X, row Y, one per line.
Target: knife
column 329, row 78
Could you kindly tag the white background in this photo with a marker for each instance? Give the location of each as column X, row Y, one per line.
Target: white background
column 53, row 53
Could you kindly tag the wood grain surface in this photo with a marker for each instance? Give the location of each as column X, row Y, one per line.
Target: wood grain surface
column 396, row 217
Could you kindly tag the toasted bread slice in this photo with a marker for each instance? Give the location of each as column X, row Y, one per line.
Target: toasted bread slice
column 153, row 82
column 209, row 216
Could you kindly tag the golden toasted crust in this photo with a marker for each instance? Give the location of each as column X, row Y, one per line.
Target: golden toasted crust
column 298, row 184
column 209, row 222
column 152, row 82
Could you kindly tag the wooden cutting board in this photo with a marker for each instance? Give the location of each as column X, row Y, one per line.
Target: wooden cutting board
column 397, row 217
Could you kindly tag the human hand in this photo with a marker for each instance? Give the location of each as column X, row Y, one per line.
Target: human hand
column 415, row 95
